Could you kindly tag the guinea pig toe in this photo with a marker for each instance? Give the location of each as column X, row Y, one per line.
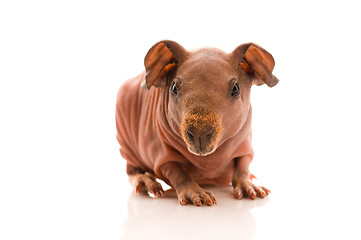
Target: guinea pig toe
column 147, row 184
column 155, row 190
column 238, row 193
column 206, row 199
column 245, row 188
column 260, row 192
column 196, row 196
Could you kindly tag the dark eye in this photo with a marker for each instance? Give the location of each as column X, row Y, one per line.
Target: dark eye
column 173, row 88
column 235, row 90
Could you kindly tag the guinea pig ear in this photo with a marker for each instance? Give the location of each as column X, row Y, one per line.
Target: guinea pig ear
column 257, row 62
column 160, row 60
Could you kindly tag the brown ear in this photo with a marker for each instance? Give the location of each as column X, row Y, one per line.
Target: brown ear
column 257, row 62
column 160, row 60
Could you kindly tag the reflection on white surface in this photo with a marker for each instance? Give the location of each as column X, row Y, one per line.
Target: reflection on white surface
column 165, row 218
column 292, row 211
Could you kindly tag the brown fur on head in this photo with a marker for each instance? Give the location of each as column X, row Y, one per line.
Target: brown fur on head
column 207, row 90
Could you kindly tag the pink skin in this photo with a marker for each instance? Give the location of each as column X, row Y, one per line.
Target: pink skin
column 189, row 127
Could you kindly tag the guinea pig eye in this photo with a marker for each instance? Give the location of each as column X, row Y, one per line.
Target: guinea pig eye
column 174, row 89
column 235, row 90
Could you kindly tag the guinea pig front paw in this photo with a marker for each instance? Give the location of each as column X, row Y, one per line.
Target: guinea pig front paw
column 146, row 183
column 191, row 192
column 243, row 187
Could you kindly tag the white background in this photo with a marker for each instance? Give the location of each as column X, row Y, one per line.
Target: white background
column 62, row 62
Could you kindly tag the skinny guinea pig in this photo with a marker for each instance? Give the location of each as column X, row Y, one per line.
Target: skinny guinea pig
column 187, row 120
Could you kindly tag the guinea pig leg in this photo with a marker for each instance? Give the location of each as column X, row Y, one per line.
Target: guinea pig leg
column 188, row 191
column 146, row 183
column 242, row 182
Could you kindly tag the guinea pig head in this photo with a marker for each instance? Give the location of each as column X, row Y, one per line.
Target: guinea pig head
column 207, row 91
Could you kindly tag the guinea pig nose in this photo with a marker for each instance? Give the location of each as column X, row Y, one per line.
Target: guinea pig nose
column 194, row 132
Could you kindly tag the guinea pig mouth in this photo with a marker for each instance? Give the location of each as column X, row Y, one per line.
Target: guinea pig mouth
column 199, row 151
column 201, row 131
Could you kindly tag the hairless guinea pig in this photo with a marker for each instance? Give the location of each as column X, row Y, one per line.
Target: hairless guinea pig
column 187, row 120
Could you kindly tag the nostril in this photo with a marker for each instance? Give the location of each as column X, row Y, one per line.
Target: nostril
column 209, row 131
column 194, row 133
column 190, row 134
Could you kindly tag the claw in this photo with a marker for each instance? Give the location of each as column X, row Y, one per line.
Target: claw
column 154, row 194
column 263, row 194
column 209, row 202
column 183, row 202
column 266, row 190
column 238, row 193
column 196, row 200
column 252, row 195
column 210, row 194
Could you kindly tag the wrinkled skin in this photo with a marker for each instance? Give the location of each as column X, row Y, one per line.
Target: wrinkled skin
column 190, row 124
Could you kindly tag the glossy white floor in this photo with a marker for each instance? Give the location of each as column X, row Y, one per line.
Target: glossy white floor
column 310, row 208
column 62, row 62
